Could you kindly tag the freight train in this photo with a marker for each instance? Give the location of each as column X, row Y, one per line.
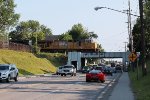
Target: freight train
column 68, row 46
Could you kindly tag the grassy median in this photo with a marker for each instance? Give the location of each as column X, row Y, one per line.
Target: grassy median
column 141, row 85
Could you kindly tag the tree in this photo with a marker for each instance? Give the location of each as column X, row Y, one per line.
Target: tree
column 8, row 17
column 30, row 30
column 136, row 37
column 78, row 32
column 145, row 31
column 147, row 25
column 65, row 36
column 136, row 30
column 92, row 35
column 46, row 30
column 100, row 48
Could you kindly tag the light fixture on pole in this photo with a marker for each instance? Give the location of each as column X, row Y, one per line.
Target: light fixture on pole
column 97, row 8
column 129, row 21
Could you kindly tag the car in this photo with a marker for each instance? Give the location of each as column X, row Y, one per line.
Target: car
column 68, row 70
column 8, row 72
column 59, row 70
column 99, row 68
column 113, row 69
column 119, row 69
column 95, row 75
column 94, row 66
column 108, row 70
column 85, row 69
column 125, row 69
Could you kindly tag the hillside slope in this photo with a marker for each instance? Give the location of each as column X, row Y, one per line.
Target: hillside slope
column 27, row 63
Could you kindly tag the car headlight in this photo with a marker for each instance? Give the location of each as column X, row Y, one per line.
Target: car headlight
column 5, row 73
column 71, row 70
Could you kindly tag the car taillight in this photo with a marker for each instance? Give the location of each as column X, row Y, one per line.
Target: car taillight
column 88, row 74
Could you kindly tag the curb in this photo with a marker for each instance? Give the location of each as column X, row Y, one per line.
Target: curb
column 105, row 92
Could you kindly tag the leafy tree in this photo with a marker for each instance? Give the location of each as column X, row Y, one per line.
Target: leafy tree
column 30, row 30
column 147, row 26
column 78, row 32
column 136, row 36
column 92, row 35
column 46, row 30
column 65, row 36
column 100, row 47
column 8, row 17
column 136, row 30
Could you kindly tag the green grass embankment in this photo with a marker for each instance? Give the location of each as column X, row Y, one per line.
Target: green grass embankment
column 141, row 86
column 57, row 59
column 27, row 63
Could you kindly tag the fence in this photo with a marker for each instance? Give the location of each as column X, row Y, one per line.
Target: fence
column 15, row 46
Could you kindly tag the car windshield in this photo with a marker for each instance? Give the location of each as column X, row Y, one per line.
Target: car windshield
column 95, row 65
column 95, row 71
column 68, row 67
column 98, row 68
column 4, row 67
column 108, row 67
column 85, row 67
column 60, row 67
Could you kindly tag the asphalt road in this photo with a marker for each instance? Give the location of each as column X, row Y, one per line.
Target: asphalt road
column 53, row 88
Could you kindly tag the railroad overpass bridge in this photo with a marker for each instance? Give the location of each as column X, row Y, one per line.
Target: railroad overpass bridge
column 79, row 59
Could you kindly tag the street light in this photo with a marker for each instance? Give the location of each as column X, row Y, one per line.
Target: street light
column 129, row 23
column 143, row 54
column 97, row 8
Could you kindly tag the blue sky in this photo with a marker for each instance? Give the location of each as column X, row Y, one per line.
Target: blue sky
column 61, row 15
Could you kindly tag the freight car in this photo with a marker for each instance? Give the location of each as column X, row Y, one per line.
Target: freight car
column 68, row 46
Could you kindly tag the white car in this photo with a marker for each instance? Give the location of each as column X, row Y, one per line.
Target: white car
column 68, row 70
column 8, row 72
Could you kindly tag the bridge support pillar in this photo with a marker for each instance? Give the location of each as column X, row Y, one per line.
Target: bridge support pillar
column 75, row 59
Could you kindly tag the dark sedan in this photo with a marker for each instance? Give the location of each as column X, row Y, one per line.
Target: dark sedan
column 108, row 70
column 85, row 69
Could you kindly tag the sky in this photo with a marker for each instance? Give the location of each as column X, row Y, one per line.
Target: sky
column 61, row 15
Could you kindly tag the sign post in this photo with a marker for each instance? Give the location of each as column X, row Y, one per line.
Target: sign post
column 132, row 57
column 138, row 54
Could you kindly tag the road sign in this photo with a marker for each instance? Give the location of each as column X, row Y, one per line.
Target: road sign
column 132, row 57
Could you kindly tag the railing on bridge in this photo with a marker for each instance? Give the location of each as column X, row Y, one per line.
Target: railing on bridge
column 105, row 55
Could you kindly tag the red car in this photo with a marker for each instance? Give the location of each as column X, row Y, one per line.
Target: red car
column 95, row 75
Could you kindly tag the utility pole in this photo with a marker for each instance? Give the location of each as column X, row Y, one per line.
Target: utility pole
column 125, row 52
column 130, row 33
column 143, row 54
column 128, row 23
column 130, row 27
column 125, row 46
